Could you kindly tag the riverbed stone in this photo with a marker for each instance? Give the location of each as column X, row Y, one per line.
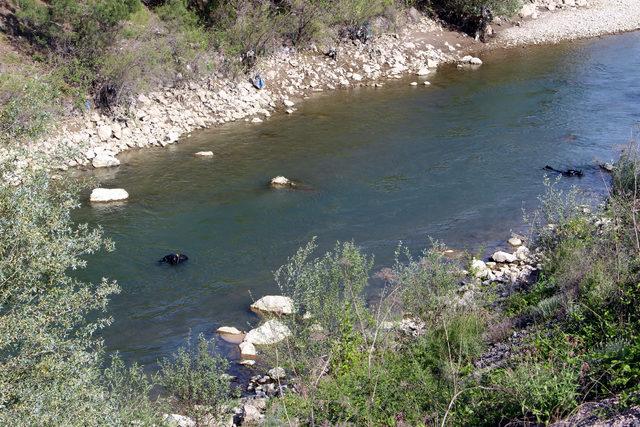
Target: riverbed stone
column 104, row 160
column 271, row 332
column 104, row 132
column 204, row 154
column 273, row 305
column 247, row 350
column 479, row 269
column 277, row 373
column 280, row 182
column 515, row 241
column 503, row 257
column 231, row 334
column 108, row 194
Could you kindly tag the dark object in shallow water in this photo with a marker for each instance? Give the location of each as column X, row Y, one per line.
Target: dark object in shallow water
column 174, row 259
column 568, row 172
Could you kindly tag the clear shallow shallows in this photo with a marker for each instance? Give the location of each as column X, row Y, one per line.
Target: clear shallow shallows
column 456, row 161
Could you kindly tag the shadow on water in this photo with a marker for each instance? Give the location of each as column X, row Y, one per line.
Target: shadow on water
column 456, row 161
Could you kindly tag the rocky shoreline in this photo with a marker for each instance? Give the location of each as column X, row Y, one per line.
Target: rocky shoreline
column 163, row 117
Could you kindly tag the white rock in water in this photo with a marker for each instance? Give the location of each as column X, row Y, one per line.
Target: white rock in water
column 427, row 83
column 515, row 241
column 281, row 181
column 273, row 304
column 231, row 334
column 277, row 373
column 433, row 63
column 423, row 71
column 472, row 60
column 247, row 362
column 104, row 160
column 288, row 103
column 108, row 194
column 475, row 61
column 247, row 350
column 256, row 120
column 271, row 332
column 177, row 420
column 501, row 256
column 204, row 154
column 414, row 83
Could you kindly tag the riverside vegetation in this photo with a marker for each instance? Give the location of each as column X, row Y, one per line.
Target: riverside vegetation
column 105, row 52
column 434, row 347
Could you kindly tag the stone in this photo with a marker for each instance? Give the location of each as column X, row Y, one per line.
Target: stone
column 288, row 103
column 247, row 362
column 104, row 160
column 104, row 132
column 177, row 420
column 427, row 83
column 475, row 61
column 357, row 77
column 607, row 166
column 522, row 253
column 528, row 10
column 172, row 137
column 432, row 63
column 280, row 182
column 108, row 194
column 256, row 120
column 414, row 83
column 273, row 305
column 247, row 350
column 277, row 373
column 479, row 268
column 503, row 257
column 271, row 332
column 204, row 154
column 423, row 71
column 515, row 241
column 231, row 334
column 252, row 415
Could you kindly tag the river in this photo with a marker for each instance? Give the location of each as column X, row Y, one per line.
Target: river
column 456, row 161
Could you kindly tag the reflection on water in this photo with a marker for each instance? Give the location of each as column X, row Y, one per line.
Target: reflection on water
column 456, row 161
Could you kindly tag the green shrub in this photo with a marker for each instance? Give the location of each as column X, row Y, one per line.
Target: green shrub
column 197, row 379
column 27, row 105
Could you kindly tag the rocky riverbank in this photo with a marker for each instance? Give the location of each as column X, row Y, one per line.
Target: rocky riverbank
column 164, row 117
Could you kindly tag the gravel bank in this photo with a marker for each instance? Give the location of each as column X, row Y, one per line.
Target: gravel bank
column 599, row 18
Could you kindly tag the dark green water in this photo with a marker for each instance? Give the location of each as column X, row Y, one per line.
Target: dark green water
column 456, row 161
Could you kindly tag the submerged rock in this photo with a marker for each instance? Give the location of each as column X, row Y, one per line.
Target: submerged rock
column 273, row 304
column 204, row 154
column 271, row 332
column 108, row 194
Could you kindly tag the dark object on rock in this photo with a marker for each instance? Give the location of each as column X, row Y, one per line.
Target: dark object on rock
column 568, row 172
column 332, row 53
column 174, row 259
column 258, row 82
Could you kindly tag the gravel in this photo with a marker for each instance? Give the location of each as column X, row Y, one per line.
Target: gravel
column 598, row 18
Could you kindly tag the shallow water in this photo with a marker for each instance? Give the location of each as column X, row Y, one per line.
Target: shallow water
column 456, row 161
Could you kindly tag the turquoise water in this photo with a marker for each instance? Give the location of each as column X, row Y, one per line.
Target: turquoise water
column 456, row 161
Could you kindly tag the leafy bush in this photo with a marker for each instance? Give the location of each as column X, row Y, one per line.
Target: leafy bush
column 197, row 379
column 27, row 104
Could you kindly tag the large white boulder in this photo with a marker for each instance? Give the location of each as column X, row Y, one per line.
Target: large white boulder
column 104, row 132
column 504, row 257
column 273, row 304
column 108, row 194
column 231, row 334
column 271, row 332
column 104, row 160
